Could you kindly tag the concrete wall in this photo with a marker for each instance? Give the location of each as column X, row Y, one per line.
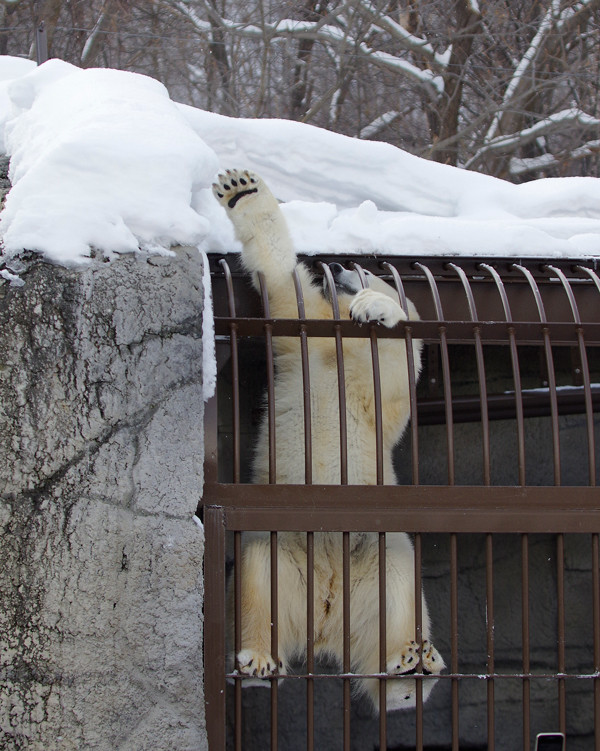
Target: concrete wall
column 101, row 448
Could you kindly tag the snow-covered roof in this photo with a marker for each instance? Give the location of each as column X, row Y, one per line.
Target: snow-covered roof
column 104, row 159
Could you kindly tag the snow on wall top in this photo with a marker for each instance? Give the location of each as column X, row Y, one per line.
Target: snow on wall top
column 104, row 159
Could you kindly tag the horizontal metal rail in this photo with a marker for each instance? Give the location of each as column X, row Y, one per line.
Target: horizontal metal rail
column 457, row 332
column 396, row 508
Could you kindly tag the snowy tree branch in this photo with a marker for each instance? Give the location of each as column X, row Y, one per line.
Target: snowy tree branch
column 558, row 122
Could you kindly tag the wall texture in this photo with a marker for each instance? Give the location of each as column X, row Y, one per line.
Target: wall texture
column 101, row 445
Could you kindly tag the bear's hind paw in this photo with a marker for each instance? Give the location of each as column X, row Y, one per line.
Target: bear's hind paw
column 407, row 661
column 258, row 664
column 235, row 185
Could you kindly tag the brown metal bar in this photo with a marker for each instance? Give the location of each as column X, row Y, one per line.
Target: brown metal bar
column 596, row 627
column 412, row 380
column 310, row 640
column 418, row 559
column 382, row 643
column 305, row 382
column 525, row 640
column 214, row 627
column 534, row 403
column 551, row 373
column 310, row 560
column 541, row 676
column 272, row 481
column 268, row 333
column 560, row 596
column 489, row 571
column 274, row 641
column 457, row 332
column 235, row 373
column 398, row 508
column 514, row 357
column 445, row 369
column 376, row 388
column 339, row 353
column 346, row 662
column 454, row 640
column 485, row 423
column 237, row 625
column 585, row 372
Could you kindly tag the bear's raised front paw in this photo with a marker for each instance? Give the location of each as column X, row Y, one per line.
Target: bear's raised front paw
column 235, row 185
column 407, row 661
column 258, row 664
column 370, row 305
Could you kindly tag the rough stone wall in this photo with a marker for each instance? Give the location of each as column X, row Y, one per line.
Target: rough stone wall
column 101, row 445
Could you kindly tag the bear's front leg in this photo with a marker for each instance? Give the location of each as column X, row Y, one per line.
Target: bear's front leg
column 261, row 228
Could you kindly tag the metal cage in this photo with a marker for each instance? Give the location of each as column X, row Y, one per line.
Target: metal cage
column 498, row 472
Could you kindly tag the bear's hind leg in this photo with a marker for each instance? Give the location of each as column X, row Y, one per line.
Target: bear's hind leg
column 255, row 659
column 400, row 693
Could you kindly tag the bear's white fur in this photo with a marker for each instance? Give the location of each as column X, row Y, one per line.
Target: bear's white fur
column 267, row 249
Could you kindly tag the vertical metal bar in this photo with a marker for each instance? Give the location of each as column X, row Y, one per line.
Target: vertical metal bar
column 341, row 377
column 274, row 640
column 412, row 380
column 454, row 639
column 272, row 480
column 585, row 373
column 418, row 557
column 305, row 382
column 525, row 640
column 376, row 389
column 382, row 644
column 560, row 592
column 346, row 636
column 214, row 631
column 489, row 570
column 596, row 627
column 551, row 373
column 445, row 369
column 339, row 352
column 485, row 423
column 235, row 375
column 270, row 380
column 237, row 621
column 514, row 356
column 310, row 550
column 382, row 564
column 450, row 445
column 310, row 640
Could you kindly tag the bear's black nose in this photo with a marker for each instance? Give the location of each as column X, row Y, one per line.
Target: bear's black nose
column 336, row 268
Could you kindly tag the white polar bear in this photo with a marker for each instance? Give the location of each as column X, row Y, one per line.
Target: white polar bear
column 267, row 248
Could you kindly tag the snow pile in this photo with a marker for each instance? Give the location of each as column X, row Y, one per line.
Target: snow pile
column 103, row 159
column 100, row 159
column 345, row 195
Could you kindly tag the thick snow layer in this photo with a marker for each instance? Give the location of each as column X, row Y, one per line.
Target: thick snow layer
column 345, row 195
column 100, row 159
column 103, row 159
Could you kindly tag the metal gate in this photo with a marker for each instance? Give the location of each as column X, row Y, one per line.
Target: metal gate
column 498, row 473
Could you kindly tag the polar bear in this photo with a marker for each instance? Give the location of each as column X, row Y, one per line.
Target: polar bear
column 267, row 249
